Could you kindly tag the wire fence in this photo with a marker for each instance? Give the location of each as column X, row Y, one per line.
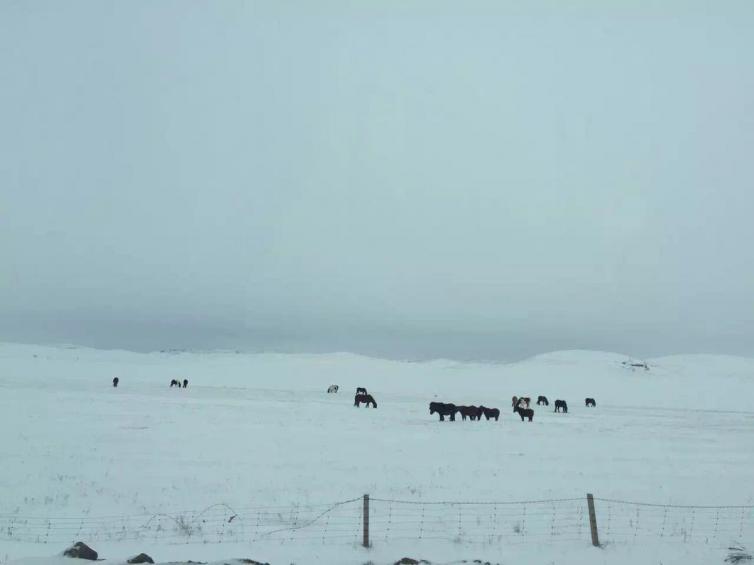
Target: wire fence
column 624, row 521
column 380, row 521
column 478, row 522
column 216, row 524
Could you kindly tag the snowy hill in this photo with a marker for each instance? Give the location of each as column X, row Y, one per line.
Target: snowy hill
column 260, row 430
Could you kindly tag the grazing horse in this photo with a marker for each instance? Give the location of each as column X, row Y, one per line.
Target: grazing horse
column 332, row 388
column 185, row 383
column 525, row 413
column 361, row 390
column 443, row 410
column 590, row 402
column 561, row 406
column 542, row 400
column 471, row 411
column 175, row 383
column 364, row 399
column 115, row 382
column 489, row 413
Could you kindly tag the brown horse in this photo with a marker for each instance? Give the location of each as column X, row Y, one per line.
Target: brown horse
column 443, row 409
column 525, row 413
column 367, row 399
column 489, row 412
column 471, row 411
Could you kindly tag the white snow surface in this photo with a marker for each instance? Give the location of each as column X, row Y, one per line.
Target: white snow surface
column 260, row 430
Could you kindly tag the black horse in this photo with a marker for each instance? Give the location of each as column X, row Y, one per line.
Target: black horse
column 443, row 410
column 185, row 383
column 561, row 406
column 115, row 382
column 361, row 390
column 332, row 388
column 471, row 412
column 542, row 400
column 590, row 402
column 489, row 412
column 175, row 383
column 525, row 413
column 367, row 399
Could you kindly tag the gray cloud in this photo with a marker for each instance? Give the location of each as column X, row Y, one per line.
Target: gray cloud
column 415, row 180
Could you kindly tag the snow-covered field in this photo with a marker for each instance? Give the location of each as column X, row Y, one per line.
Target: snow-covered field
column 259, row 431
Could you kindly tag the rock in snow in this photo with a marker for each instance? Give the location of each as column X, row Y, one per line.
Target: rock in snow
column 80, row 550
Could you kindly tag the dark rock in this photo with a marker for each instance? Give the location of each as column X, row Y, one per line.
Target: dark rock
column 141, row 558
column 80, row 550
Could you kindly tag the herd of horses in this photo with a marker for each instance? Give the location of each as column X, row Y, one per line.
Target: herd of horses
column 471, row 412
column 520, row 406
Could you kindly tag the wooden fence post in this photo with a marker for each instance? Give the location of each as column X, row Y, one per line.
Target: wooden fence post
column 592, row 520
column 365, row 541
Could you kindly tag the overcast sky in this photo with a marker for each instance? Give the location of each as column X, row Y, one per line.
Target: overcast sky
column 473, row 180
